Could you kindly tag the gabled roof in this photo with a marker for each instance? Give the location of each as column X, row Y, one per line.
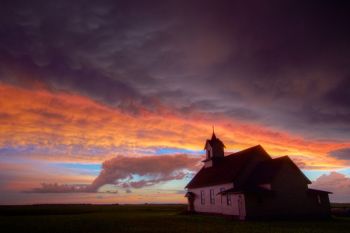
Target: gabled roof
column 317, row 191
column 266, row 171
column 228, row 168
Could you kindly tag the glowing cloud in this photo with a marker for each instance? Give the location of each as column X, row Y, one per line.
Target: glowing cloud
column 66, row 127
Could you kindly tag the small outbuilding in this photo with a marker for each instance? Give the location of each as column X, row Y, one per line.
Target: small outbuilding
column 249, row 184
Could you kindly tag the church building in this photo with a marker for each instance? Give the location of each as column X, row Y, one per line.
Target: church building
column 249, row 184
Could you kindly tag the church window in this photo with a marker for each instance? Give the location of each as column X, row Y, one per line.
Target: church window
column 202, row 197
column 212, row 197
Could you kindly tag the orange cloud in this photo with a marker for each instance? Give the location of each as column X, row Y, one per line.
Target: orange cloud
column 50, row 119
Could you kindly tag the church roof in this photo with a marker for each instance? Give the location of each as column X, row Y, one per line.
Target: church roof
column 228, row 168
column 316, row 191
column 267, row 170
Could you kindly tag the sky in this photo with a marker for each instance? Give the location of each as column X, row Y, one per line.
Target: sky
column 112, row 101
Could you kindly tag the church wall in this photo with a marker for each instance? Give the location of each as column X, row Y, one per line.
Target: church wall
column 220, row 206
column 289, row 198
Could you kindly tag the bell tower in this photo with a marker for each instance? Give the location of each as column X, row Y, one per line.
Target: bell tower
column 214, row 148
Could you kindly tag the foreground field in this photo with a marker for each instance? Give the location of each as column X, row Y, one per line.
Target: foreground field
column 142, row 218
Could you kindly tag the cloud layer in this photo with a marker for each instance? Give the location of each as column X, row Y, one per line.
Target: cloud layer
column 65, row 127
column 151, row 170
column 131, row 172
column 281, row 64
column 59, row 188
column 83, row 81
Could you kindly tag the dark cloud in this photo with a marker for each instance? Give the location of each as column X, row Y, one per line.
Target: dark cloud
column 284, row 64
column 340, row 95
column 57, row 76
column 334, row 182
column 343, row 154
column 131, row 172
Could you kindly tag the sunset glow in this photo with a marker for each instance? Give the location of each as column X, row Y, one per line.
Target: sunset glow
column 69, row 109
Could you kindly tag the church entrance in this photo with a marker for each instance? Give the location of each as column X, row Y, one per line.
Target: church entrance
column 190, row 200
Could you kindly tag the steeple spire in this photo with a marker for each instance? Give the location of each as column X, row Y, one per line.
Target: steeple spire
column 213, row 136
column 214, row 150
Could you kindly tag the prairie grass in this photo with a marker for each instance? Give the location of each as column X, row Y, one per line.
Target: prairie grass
column 143, row 218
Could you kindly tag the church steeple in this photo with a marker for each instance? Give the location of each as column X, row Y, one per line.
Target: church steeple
column 214, row 148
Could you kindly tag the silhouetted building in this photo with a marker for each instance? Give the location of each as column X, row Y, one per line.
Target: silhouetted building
column 249, row 184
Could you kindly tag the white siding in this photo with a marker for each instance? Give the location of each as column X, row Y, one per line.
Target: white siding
column 220, row 206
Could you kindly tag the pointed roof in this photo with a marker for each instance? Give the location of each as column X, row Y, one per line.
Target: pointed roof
column 228, row 169
column 214, row 141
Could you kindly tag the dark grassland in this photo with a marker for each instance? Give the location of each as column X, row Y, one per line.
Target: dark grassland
column 143, row 218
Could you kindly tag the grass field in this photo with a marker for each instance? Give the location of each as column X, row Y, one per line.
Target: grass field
column 142, row 218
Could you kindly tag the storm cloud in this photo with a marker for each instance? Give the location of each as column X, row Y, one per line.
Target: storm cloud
column 82, row 81
column 281, row 64
column 343, row 154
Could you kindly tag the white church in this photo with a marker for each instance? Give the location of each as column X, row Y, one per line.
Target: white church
column 249, row 184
